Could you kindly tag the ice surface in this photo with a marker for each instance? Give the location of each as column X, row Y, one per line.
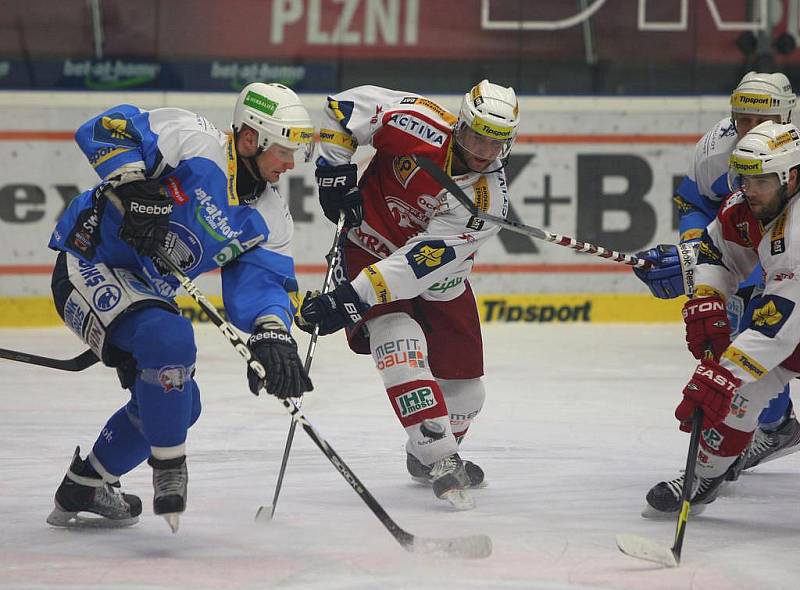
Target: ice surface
column 577, row 426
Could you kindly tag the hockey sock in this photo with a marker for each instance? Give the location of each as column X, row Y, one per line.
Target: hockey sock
column 464, row 398
column 776, row 414
column 401, row 357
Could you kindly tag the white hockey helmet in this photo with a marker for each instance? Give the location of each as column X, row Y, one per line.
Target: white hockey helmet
column 278, row 115
column 764, row 94
column 491, row 111
column 769, row 148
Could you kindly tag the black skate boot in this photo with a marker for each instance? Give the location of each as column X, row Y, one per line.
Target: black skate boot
column 450, row 482
column 664, row 498
column 767, row 446
column 82, row 490
column 421, row 473
column 170, row 478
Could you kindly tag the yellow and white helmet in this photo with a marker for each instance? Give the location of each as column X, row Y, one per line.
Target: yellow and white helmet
column 768, row 148
column 278, row 115
column 491, row 111
column 764, row 94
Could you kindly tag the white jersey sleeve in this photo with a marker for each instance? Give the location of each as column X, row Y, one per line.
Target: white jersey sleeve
column 436, row 263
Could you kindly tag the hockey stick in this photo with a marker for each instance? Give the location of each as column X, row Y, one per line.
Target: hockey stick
column 83, row 361
column 450, row 185
column 333, row 256
column 643, row 548
column 472, row 547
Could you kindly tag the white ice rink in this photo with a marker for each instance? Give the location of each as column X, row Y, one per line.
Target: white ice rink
column 577, row 426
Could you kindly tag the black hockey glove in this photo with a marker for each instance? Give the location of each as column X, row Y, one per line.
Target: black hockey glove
column 338, row 192
column 277, row 351
column 332, row 311
column 145, row 223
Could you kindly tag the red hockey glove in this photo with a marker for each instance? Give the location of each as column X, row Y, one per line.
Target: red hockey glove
column 706, row 325
column 711, row 388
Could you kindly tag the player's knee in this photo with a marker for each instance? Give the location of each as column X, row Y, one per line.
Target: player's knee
column 399, row 349
column 163, row 338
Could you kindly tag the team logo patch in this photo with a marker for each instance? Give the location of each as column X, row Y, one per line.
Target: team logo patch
column 708, row 252
column 116, row 130
column 404, row 169
column 106, row 297
column 770, row 317
column 415, row 401
column 426, row 257
column 172, row 378
column 739, row 405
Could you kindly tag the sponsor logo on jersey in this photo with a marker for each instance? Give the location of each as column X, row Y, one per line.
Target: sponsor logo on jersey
column 260, row 103
column 404, row 169
column 770, row 317
column 418, row 128
column 344, row 140
column 379, row 285
column 777, row 243
column 783, row 276
column 475, row 223
column 406, row 215
column 106, row 297
column 172, row 377
column 75, row 311
column 175, row 190
column 415, row 401
column 751, row 100
column 482, row 196
column 429, row 104
column 446, row 284
column 234, row 249
column 212, row 219
column 426, row 257
column 744, row 362
column 91, row 275
column 371, row 241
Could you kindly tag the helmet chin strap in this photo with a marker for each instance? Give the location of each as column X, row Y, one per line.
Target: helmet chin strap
column 249, row 186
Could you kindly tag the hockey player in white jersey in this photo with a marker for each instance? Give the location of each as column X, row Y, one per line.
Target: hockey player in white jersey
column 759, row 224
column 408, row 301
column 759, row 97
column 171, row 181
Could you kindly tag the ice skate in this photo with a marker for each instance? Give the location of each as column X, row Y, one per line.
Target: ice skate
column 421, row 473
column 450, row 482
column 170, row 479
column 83, row 491
column 767, row 446
column 664, row 499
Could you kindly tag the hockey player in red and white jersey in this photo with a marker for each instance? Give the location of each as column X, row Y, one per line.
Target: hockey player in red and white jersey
column 758, row 224
column 411, row 247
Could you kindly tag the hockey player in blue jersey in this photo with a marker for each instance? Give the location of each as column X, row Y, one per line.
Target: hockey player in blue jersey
column 171, row 182
column 759, row 97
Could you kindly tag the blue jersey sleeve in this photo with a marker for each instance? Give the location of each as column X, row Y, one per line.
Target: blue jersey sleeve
column 257, row 284
column 120, row 136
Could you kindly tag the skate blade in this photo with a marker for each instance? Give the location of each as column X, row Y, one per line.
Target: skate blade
column 459, row 499
column 173, row 520
column 75, row 520
column 653, row 514
column 426, row 481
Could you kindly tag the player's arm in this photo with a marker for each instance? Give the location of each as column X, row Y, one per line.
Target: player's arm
column 257, row 290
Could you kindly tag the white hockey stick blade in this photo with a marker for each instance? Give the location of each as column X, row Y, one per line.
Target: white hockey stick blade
column 264, row 514
column 471, row 547
column 642, row 548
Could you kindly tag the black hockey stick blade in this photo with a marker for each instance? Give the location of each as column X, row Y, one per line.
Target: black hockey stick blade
column 83, row 361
